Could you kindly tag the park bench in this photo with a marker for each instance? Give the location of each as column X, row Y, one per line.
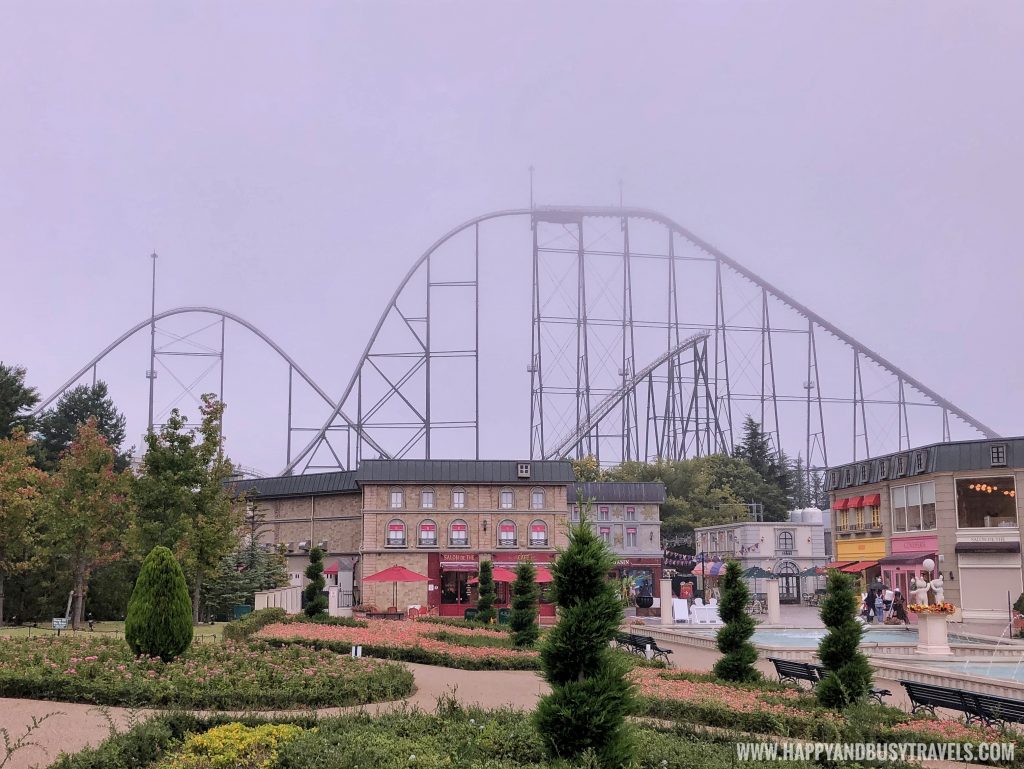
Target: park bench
column 976, row 706
column 793, row 671
column 385, row 615
column 638, row 644
column 876, row 694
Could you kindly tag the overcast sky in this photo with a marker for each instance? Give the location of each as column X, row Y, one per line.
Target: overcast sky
column 289, row 161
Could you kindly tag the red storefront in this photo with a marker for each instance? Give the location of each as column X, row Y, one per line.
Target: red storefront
column 452, row 587
column 646, row 573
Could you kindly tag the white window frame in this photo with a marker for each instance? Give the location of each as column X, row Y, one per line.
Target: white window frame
column 451, row 528
column 419, row 533
column 400, row 493
column 534, row 541
column 423, row 498
column 502, row 541
column 458, row 502
column 631, row 536
column 604, row 513
column 501, row 499
column 393, row 542
column 534, row 493
column 630, row 513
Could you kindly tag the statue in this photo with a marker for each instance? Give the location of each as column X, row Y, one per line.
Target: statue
column 919, row 589
column 936, row 587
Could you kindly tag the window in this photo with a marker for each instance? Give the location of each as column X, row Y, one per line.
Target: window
column 986, row 503
column 507, row 499
column 785, row 541
column 537, row 499
column 883, row 469
column 630, row 513
column 631, row 536
column 606, row 534
column 899, row 508
column 602, row 513
column 901, row 465
column 397, row 499
column 876, row 516
column 506, row 534
column 841, row 524
column 396, row 533
column 428, row 534
column 458, row 533
column 864, row 473
column 458, row 499
column 575, row 512
column 860, row 517
column 998, row 455
column 927, row 505
column 919, row 460
column 427, row 499
column 538, row 534
column 913, row 507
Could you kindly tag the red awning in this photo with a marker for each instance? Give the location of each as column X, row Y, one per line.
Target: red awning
column 840, row 504
column 544, row 576
column 872, row 500
column 332, row 569
column 836, row 565
column 855, row 502
column 858, row 567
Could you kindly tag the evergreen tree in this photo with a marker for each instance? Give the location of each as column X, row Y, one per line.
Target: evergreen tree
column 22, row 489
column 316, row 601
column 57, row 427
column 800, row 494
column 849, row 674
column 16, row 400
column 733, row 638
column 818, row 493
column 757, row 451
column 159, row 621
column 487, row 594
column 523, row 621
column 590, row 694
column 240, row 576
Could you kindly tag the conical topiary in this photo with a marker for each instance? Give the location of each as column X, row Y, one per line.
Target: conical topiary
column 849, row 673
column 485, row 602
column 316, row 601
column 523, row 620
column 159, row 620
column 738, row 654
column 590, row 694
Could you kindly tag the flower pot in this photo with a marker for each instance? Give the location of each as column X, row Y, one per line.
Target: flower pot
column 644, row 601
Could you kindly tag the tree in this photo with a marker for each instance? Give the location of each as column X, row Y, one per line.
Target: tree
column 590, row 694
column 88, row 511
column 183, row 498
column 523, row 621
column 733, row 638
column 849, row 675
column 58, row 426
column 587, row 468
column 316, row 602
column 756, row 450
column 819, row 495
column 22, row 487
column 16, row 400
column 240, row 576
column 159, row 621
column 485, row 601
column 800, row 495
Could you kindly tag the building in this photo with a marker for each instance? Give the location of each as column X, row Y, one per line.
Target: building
column 955, row 503
column 783, row 548
column 628, row 517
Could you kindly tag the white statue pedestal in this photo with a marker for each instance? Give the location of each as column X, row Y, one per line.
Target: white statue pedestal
column 932, row 637
column 774, row 610
column 666, row 602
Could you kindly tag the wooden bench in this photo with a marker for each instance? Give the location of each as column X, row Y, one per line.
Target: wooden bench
column 793, row 671
column 989, row 709
column 638, row 645
column 385, row 615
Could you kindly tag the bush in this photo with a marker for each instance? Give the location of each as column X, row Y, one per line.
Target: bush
column 738, row 654
column 590, row 696
column 523, row 622
column 233, row 745
column 241, row 629
column 471, row 624
column 316, row 601
column 849, row 673
column 485, row 602
column 159, row 621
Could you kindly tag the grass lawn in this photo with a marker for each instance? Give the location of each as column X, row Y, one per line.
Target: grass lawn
column 201, row 633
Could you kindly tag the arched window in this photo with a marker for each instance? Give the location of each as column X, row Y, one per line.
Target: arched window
column 428, row 533
column 507, row 534
column 538, row 534
column 458, row 498
column 397, row 499
column 537, row 499
column 458, row 533
column 396, row 533
column 786, row 540
column 427, row 499
column 507, row 499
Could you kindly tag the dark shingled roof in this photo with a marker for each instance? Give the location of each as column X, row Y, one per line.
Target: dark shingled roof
column 298, row 485
column 618, row 492
column 462, row 471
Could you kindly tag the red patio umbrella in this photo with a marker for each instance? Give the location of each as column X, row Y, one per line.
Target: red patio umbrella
column 396, row 574
column 500, row 575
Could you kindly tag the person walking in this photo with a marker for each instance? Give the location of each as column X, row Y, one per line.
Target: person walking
column 879, row 606
column 868, row 607
column 899, row 607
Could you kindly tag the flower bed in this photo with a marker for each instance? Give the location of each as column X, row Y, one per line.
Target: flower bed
column 215, row 676
column 932, row 608
column 407, row 641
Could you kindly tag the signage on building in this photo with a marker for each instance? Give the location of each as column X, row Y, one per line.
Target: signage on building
column 988, row 538
column 913, row 544
column 459, row 557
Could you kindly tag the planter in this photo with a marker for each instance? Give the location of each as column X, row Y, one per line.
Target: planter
column 644, row 601
column 932, row 634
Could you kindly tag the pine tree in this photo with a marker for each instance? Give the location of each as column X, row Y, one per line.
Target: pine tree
column 316, row 601
column 487, row 594
column 58, row 426
column 800, row 495
column 590, row 694
column 16, row 400
column 739, row 655
column 849, row 674
column 159, row 621
column 523, row 621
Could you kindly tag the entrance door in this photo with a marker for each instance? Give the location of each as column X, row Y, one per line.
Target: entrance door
column 789, row 582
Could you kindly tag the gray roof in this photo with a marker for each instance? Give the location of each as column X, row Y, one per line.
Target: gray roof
column 618, row 492
column 462, row 471
column 958, row 456
column 298, row 485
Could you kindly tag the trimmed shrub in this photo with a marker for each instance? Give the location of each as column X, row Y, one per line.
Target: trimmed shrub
column 849, row 674
column 738, row 654
column 523, row 621
column 590, row 694
column 485, row 603
column 159, row 621
column 316, row 601
column 241, row 629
